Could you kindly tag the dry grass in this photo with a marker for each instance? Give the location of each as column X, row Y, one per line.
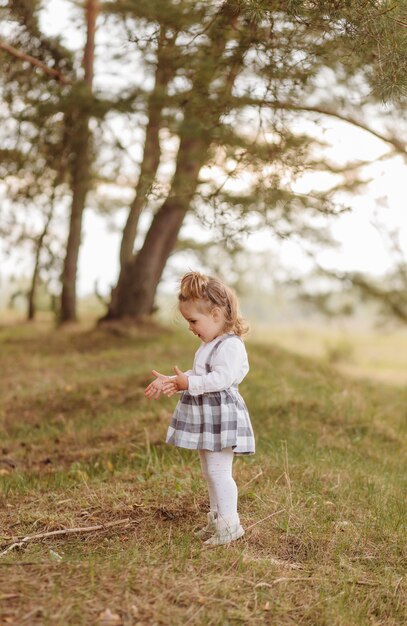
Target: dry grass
column 322, row 500
column 379, row 354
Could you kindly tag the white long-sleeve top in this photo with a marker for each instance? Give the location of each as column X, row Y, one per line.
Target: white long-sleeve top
column 229, row 366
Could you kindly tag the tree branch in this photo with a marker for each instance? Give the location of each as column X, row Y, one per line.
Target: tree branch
column 91, row 12
column 391, row 298
column 33, row 61
column 399, row 146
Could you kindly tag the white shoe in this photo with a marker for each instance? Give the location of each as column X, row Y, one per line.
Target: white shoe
column 210, row 526
column 227, row 530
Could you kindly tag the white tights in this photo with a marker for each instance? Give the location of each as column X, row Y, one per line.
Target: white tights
column 217, row 471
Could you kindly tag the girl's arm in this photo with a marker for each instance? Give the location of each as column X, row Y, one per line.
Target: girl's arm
column 166, row 384
column 229, row 364
column 154, row 389
column 179, row 382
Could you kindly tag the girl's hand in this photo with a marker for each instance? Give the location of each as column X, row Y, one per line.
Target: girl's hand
column 179, row 382
column 154, row 389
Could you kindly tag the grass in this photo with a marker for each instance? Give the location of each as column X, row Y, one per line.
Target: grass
column 323, row 500
column 362, row 352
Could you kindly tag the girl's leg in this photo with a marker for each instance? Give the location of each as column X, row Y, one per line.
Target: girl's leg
column 204, row 468
column 218, row 469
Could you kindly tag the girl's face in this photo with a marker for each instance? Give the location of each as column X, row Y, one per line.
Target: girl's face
column 206, row 326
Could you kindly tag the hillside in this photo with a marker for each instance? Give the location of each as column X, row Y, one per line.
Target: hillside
column 322, row 501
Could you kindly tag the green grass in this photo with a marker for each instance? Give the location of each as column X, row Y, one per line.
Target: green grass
column 323, row 500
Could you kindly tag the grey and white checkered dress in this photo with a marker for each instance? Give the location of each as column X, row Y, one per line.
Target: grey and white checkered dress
column 214, row 420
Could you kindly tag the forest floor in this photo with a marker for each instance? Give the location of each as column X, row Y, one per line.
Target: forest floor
column 322, row 501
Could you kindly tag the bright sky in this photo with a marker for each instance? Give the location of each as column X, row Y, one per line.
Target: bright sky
column 361, row 246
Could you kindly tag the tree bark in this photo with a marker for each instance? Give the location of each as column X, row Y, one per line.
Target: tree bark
column 152, row 153
column 80, row 175
column 135, row 292
column 34, row 279
column 137, row 287
column 80, row 186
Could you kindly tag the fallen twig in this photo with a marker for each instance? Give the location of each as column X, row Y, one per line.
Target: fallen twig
column 25, row 563
column 65, row 531
column 312, row 579
column 287, row 579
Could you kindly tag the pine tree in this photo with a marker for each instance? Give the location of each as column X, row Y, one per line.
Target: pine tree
column 33, row 158
column 234, row 84
column 49, row 88
column 216, row 66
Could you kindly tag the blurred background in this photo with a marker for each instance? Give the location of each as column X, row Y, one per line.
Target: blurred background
column 262, row 142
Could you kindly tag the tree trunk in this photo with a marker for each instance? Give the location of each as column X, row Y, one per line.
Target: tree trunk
column 152, row 153
column 135, row 291
column 148, row 171
column 137, row 287
column 80, row 186
column 34, row 279
column 32, row 292
column 80, row 175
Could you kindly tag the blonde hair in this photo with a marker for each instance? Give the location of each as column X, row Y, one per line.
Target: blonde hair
column 212, row 292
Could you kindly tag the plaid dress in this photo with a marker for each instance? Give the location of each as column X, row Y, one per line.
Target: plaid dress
column 214, row 420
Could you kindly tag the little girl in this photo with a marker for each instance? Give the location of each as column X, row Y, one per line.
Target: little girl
column 211, row 415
